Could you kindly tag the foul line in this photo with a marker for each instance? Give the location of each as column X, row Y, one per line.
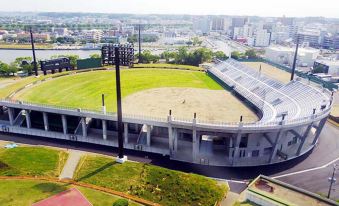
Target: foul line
column 307, row 170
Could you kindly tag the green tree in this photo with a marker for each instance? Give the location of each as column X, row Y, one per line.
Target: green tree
column 168, row 55
column 236, row 55
column 196, row 41
column 251, row 54
column 148, row 57
column 220, row 55
column 7, row 70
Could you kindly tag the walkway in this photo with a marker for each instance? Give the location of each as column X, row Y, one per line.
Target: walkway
column 71, row 164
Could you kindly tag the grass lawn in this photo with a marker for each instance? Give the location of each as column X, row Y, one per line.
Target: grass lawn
column 22, row 82
column 153, row 183
column 27, row 192
column 31, row 161
column 84, row 90
column 245, row 204
column 169, row 66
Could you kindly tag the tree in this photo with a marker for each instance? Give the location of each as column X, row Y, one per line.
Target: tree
column 94, row 56
column 7, row 70
column 251, row 54
column 196, row 41
column 236, row 55
column 220, row 55
column 168, row 55
column 148, row 57
column 19, row 60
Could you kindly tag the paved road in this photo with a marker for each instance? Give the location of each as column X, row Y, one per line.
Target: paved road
column 326, row 151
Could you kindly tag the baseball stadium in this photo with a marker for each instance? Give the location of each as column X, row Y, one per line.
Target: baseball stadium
column 225, row 114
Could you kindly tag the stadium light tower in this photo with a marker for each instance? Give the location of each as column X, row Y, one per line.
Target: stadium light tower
column 139, row 41
column 295, row 58
column 33, row 50
column 118, row 54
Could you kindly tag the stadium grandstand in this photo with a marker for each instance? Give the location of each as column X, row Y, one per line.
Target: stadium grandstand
column 291, row 118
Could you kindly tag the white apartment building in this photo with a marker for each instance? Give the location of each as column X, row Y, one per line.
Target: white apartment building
column 262, row 38
column 94, row 35
column 285, row 55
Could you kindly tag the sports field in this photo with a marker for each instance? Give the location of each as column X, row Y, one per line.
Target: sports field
column 185, row 92
column 270, row 71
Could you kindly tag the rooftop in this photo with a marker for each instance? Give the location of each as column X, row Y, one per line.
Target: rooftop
column 272, row 190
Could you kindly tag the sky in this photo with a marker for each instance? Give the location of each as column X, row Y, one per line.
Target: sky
column 290, row 8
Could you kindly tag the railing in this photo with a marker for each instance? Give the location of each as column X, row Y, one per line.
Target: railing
column 182, row 121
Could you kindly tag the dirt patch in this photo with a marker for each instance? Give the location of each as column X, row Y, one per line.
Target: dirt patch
column 212, row 105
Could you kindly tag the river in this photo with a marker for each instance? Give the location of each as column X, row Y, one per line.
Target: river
column 9, row 56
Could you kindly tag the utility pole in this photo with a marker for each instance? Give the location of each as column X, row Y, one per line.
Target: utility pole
column 33, row 50
column 119, row 107
column 140, row 60
column 332, row 180
column 295, row 58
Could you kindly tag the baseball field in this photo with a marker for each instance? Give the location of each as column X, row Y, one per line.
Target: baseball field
column 145, row 91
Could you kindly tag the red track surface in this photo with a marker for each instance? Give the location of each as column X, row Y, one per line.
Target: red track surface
column 71, row 197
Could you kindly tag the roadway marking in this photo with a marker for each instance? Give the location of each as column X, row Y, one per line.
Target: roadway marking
column 307, row 170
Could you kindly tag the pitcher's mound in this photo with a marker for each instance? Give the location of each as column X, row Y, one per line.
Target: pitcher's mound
column 212, row 105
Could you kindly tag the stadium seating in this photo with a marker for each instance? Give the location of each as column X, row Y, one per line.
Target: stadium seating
column 294, row 100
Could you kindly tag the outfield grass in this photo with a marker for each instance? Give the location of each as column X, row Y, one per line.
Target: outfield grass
column 84, row 90
column 22, row 82
column 169, row 66
column 152, row 183
column 31, row 161
column 27, row 192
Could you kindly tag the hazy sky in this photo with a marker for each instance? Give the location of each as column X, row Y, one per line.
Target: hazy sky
column 297, row 8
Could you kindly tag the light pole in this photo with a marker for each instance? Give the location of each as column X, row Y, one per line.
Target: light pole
column 33, row 50
column 117, row 54
column 332, row 180
column 295, row 58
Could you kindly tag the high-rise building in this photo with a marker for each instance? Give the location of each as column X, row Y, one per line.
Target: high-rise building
column 262, row 38
column 218, row 24
column 202, row 25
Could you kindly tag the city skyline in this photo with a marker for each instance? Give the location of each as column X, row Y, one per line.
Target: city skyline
column 264, row 8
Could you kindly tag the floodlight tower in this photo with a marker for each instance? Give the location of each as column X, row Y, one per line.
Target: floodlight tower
column 117, row 55
column 33, row 50
column 295, row 58
column 140, row 60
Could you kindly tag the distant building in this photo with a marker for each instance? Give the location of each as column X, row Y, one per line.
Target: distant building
column 239, row 21
column 287, row 21
column 93, row 35
column 271, row 192
column 218, row 24
column 262, row 38
column 285, row 55
column 311, row 37
column 202, row 25
column 26, row 37
column 60, row 31
column 327, row 66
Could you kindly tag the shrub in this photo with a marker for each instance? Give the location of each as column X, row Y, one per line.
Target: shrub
column 120, row 202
